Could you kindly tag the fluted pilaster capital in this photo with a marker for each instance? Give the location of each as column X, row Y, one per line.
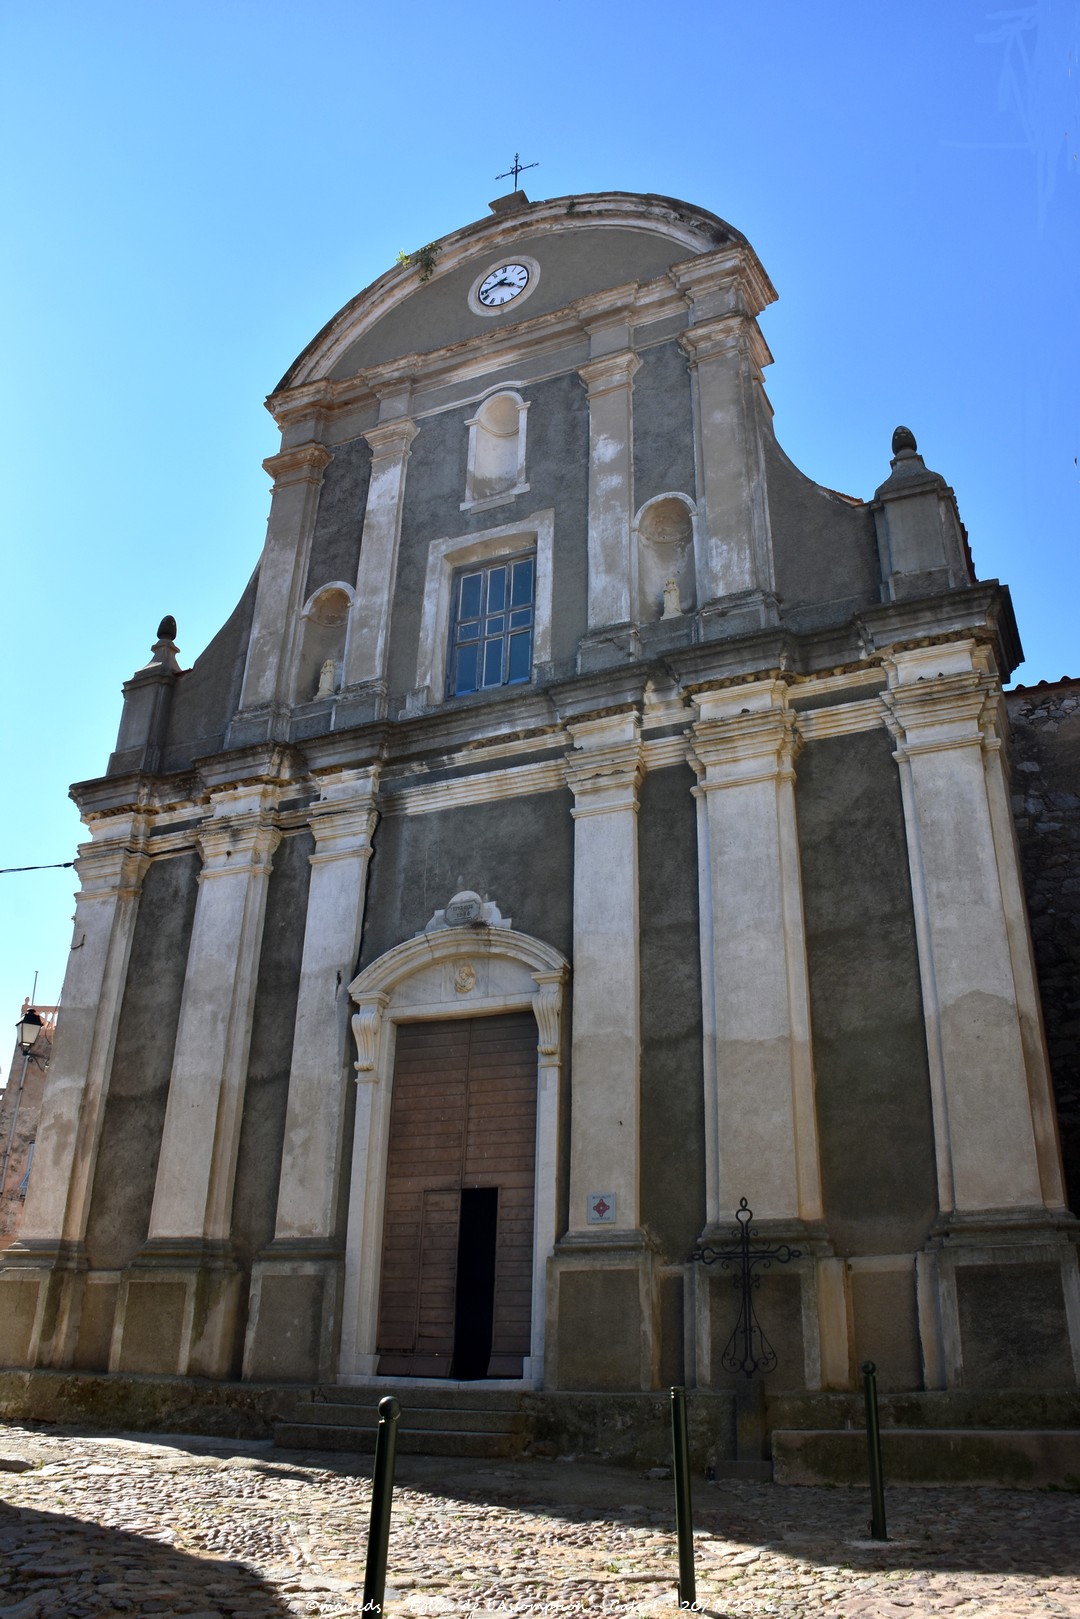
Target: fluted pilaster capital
column 941, row 697
column 736, row 336
column 605, row 769
column 743, row 734
column 391, row 440
column 113, row 864
column 609, row 373
column 241, row 834
column 304, row 463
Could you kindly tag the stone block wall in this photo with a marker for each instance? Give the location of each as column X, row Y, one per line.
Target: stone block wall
column 1045, row 722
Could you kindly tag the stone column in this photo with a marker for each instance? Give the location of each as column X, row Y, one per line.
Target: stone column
column 761, row 1126
column 609, row 380
column 369, row 620
column 297, row 474
column 39, row 1293
column 603, row 1264
column 999, row 1176
column 191, row 1216
column 295, row 1291
column 734, row 563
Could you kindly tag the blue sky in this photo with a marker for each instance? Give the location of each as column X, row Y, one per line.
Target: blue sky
column 193, row 189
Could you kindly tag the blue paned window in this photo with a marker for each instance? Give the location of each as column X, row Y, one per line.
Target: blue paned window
column 491, row 638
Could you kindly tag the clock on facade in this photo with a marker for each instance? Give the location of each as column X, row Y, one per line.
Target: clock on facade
column 502, row 284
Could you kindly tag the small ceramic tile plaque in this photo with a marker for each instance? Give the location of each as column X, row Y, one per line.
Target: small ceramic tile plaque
column 601, row 1208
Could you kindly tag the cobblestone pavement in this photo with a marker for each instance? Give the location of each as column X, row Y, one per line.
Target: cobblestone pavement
column 211, row 1528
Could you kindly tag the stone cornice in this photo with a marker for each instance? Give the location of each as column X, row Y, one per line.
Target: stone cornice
column 729, row 281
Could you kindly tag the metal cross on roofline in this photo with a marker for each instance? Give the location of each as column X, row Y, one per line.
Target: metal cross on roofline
column 739, row 1255
column 517, row 167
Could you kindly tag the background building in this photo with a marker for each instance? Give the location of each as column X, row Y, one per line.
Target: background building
column 583, row 821
column 20, row 1109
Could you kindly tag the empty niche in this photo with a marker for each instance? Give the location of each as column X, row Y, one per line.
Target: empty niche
column 665, row 541
column 496, row 467
column 322, row 649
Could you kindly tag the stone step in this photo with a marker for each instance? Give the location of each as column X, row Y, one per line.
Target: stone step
column 428, row 1395
column 412, row 1416
column 411, row 1441
column 1017, row 1458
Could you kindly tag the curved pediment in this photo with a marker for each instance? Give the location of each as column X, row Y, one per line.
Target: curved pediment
column 579, row 245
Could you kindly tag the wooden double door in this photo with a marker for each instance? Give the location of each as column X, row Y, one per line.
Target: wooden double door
column 456, row 1292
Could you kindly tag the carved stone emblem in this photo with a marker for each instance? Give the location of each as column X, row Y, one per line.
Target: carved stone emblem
column 464, row 977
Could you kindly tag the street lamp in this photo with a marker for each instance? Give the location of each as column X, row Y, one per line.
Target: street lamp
column 29, row 1027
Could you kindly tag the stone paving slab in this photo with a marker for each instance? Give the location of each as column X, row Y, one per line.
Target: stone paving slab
column 210, row 1529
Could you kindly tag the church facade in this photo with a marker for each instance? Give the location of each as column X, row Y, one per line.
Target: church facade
column 583, row 822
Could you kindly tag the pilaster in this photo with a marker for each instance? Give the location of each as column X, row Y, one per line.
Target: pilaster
column 761, row 1139
column 734, row 563
column 605, row 1255
column 760, row 1119
column 306, row 1255
column 609, row 380
column 191, row 1216
column 297, row 474
column 46, row 1263
column 368, row 638
column 1005, row 1245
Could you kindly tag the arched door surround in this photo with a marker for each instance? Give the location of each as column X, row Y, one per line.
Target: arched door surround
column 452, row 972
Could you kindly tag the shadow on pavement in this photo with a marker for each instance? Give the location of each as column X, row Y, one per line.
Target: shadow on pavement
column 958, row 1530
column 55, row 1565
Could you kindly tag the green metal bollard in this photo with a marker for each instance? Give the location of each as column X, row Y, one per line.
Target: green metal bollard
column 873, row 1453
column 382, row 1492
column 684, row 1519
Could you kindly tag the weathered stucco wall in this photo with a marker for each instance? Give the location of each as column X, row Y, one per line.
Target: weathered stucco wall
column 263, row 1129
column 517, row 852
column 825, row 550
column 873, row 1086
column 138, row 1090
column 663, row 425
column 1046, row 805
column 207, row 695
column 672, row 1092
column 335, row 545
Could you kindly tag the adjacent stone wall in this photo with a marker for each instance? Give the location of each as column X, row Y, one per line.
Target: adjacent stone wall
column 1045, row 723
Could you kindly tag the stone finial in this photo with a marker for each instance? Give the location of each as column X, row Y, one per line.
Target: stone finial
column 165, row 649
column 903, row 440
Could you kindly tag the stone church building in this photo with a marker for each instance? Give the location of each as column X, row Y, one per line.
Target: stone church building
column 584, row 820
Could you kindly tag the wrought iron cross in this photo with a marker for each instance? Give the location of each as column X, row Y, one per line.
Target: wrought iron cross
column 517, row 167
column 757, row 1353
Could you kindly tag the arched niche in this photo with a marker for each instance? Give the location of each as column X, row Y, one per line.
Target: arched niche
column 496, row 461
column 324, row 624
column 466, row 971
column 665, row 555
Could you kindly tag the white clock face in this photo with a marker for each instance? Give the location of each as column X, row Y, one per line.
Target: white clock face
column 503, row 285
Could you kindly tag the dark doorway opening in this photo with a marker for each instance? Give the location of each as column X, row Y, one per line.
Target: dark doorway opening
column 474, row 1296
